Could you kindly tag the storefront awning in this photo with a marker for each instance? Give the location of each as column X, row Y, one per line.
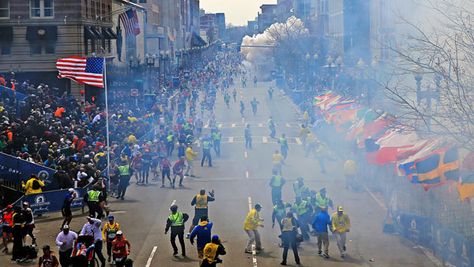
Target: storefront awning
column 6, row 32
column 96, row 32
column 108, row 33
column 47, row 33
column 197, row 41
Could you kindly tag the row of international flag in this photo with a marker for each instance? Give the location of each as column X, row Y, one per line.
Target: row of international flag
column 427, row 162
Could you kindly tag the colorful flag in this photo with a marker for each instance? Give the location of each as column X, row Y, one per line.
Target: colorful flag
column 436, row 169
column 82, row 70
column 394, row 145
column 130, row 23
column 466, row 182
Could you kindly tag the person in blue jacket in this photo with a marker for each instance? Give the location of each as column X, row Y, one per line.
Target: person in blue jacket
column 320, row 225
column 203, row 233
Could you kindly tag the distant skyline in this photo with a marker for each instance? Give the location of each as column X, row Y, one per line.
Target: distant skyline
column 237, row 12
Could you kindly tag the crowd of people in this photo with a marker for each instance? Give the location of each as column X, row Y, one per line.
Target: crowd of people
column 50, row 128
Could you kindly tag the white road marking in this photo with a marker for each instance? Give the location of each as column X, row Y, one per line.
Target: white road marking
column 243, row 120
column 220, row 125
column 231, row 139
column 254, row 250
column 250, row 203
column 288, row 125
column 298, row 140
column 246, row 155
column 118, row 212
column 379, row 202
column 206, row 126
column 265, row 139
column 233, row 125
column 148, row 262
column 247, row 174
column 260, row 125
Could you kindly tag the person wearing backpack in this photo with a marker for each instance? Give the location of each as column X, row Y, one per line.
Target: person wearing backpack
column 33, row 186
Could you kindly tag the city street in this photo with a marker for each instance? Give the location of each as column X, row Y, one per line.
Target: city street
column 240, row 179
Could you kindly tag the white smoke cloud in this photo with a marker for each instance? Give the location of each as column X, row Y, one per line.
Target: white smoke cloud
column 276, row 34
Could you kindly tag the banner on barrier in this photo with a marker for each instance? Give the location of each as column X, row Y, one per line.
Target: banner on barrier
column 52, row 201
column 452, row 248
column 17, row 170
column 12, row 93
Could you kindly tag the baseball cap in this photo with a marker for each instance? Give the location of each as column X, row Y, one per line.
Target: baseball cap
column 339, row 208
column 65, row 226
column 119, row 232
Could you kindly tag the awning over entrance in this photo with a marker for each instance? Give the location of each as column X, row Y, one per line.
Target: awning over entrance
column 47, row 33
column 197, row 41
column 6, row 32
column 108, row 33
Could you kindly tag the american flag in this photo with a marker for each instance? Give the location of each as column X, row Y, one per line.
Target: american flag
column 82, row 70
column 129, row 21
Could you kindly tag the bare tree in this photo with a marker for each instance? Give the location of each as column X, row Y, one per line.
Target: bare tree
column 291, row 40
column 441, row 60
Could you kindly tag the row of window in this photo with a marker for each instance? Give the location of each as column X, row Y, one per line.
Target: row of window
column 38, row 9
column 36, row 48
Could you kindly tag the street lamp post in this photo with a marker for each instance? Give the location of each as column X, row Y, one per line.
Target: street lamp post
column 150, row 66
column 332, row 73
column 307, row 71
column 428, row 94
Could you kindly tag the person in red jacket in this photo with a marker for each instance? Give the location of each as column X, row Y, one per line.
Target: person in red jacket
column 120, row 249
column 7, row 221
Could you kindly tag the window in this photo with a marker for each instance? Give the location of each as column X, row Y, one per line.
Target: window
column 5, row 48
column 35, row 49
column 50, row 48
column 4, row 9
column 41, row 8
column 92, row 9
column 86, row 4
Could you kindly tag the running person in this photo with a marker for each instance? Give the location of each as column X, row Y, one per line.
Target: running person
column 109, row 232
column 254, row 103
column 248, row 137
column 271, row 127
column 242, row 108
column 201, row 207
column 178, row 170
column 165, row 166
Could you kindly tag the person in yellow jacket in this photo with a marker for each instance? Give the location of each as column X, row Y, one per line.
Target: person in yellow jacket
column 304, row 132
column 277, row 160
column 33, row 186
column 131, row 139
column 251, row 224
column 341, row 225
column 109, row 232
column 190, row 155
column 212, row 251
column 305, row 117
column 350, row 172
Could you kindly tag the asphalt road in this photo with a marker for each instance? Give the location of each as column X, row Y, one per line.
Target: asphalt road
column 240, row 178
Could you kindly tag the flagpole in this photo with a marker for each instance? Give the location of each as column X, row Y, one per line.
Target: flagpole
column 107, row 124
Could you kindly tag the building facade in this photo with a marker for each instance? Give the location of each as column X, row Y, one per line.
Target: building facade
column 349, row 30
column 266, row 17
column 212, row 27
column 37, row 32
